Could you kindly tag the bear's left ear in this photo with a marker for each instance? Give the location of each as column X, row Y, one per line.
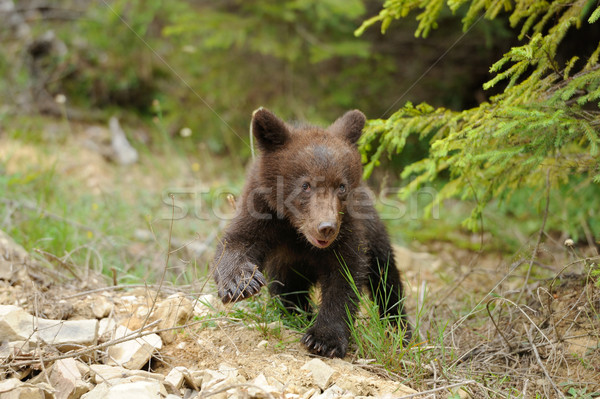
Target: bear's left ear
column 349, row 125
column 270, row 131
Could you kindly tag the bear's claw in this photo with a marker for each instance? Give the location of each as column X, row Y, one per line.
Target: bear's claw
column 331, row 349
column 244, row 285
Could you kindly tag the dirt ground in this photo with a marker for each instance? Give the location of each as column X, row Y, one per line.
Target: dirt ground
column 560, row 320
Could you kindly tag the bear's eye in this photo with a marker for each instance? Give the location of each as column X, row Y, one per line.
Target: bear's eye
column 342, row 188
column 306, row 187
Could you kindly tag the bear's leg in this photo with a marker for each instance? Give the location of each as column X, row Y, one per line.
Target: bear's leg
column 330, row 334
column 386, row 287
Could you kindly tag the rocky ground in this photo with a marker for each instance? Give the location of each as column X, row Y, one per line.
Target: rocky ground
column 80, row 339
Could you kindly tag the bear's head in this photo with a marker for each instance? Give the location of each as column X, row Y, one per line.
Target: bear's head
column 309, row 175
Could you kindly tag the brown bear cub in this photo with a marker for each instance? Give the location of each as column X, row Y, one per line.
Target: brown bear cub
column 306, row 217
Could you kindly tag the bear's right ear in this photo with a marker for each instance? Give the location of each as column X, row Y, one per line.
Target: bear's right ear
column 349, row 125
column 270, row 131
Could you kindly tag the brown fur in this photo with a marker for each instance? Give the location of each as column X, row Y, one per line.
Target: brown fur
column 304, row 211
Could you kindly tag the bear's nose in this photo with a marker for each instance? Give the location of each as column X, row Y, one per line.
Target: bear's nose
column 327, row 229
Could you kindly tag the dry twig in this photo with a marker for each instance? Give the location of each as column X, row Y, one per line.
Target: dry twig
column 539, row 361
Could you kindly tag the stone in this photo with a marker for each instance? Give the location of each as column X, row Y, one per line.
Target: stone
column 262, row 344
column 14, row 348
column 13, row 388
column 176, row 376
column 174, row 311
column 321, row 372
column 148, row 389
column 10, row 251
column 66, row 379
column 228, row 370
column 211, row 377
column 122, row 152
column 194, row 379
column 103, row 373
column 260, row 387
column 207, row 304
column 309, row 393
column 18, row 325
column 106, row 329
column 101, row 306
column 222, row 389
column 135, row 353
column 10, row 384
column 333, row 392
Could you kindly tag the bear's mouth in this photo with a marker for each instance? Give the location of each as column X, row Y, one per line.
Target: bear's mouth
column 320, row 243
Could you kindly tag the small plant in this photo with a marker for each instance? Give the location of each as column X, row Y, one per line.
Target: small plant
column 595, row 273
column 375, row 337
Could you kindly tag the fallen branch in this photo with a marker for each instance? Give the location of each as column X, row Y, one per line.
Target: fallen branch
column 539, row 361
column 458, row 384
column 52, row 257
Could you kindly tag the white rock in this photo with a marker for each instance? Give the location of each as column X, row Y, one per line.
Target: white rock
column 149, row 389
column 101, row 307
column 133, row 354
column 13, row 348
column 207, row 304
column 261, row 387
column 211, row 377
column 176, row 376
column 262, row 344
column 106, row 329
column 18, row 325
column 194, row 379
column 321, row 372
column 122, row 152
column 174, row 311
column 10, row 384
column 310, row 393
column 66, row 379
column 228, row 370
column 334, row 392
column 226, row 388
column 13, row 388
column 102, row 373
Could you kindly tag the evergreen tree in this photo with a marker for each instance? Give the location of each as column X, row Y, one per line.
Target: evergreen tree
column 539, row 134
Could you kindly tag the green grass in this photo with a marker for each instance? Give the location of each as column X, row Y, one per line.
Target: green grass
column 49, row 201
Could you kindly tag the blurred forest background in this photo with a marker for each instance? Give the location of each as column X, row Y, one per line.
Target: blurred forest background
column 210, row 64
column 124, row 134
column 183, row 77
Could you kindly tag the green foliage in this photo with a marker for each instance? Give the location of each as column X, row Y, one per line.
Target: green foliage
column 595, row 273
column 292, row 50
column 540, row 133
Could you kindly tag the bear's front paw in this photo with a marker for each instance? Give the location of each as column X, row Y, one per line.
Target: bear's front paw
column 242, row 284
column 329, row 342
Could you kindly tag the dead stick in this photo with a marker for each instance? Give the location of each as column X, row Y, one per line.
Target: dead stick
column 58, row 260
column 539, row 360
column 487, row 307
column 458, row 384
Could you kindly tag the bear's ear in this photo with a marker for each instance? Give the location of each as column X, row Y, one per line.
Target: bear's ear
column 349, row 125
column 270, row 131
